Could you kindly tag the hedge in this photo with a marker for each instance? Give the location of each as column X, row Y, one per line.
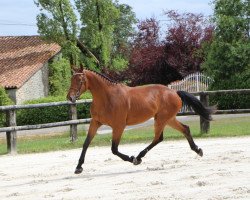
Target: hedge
column 4, row 100
column 59, row 77
column 232, row 101
column 50, row 114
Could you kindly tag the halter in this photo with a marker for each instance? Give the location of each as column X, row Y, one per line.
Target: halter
column 78, row 73
column 81, row 82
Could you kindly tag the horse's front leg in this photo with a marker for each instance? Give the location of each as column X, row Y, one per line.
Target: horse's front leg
column 116, row 137
column 94, row 125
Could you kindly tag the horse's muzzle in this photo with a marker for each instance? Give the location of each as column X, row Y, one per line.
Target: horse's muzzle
column 71, row 98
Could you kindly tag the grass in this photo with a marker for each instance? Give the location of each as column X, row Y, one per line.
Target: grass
column 220, row 128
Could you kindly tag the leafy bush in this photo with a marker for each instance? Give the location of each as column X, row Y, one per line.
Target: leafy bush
column 4, row 100
column 119, row 63
column 232, row 101
column 59, row 77
column 50, row 114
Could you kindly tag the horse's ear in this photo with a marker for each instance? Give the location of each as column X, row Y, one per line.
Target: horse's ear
column 73, row 69
column 81, row 67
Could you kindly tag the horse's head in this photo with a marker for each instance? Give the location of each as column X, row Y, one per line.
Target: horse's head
column 78, row 84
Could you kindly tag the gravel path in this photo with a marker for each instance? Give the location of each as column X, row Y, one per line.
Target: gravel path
column 169, row 171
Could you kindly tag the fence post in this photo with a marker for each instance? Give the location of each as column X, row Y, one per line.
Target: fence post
column 11, row 135
column 73, row 127
column 204, row 124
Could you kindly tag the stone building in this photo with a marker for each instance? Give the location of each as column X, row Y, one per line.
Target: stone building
column 24, row 66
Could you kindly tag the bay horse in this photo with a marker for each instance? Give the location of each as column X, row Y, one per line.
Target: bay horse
column 117, row 105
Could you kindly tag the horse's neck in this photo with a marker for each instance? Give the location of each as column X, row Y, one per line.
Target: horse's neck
column 98, row 87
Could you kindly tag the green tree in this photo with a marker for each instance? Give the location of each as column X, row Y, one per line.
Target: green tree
column 98, row 24
column 228, row 56
column 57, row 22
column 105, row 29
column 124, row 32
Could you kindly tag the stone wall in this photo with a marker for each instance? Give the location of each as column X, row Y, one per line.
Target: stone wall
column 36, row 87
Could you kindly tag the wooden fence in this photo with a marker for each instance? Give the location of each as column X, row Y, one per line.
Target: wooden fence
column 12, row 128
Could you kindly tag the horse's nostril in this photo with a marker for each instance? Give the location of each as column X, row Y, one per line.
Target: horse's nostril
column 71, row 98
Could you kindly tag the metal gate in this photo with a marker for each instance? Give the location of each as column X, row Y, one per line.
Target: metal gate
column 195, row 82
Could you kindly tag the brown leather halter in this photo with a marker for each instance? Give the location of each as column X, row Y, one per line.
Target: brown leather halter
column 78, row 93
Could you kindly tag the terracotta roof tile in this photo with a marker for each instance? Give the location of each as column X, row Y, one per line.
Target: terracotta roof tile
column 21, row 57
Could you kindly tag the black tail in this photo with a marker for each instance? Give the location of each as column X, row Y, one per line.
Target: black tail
column 196, row 104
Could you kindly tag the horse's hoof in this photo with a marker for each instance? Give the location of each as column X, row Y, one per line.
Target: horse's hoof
column 78, row 170
column 200, row 152
column 136, row 161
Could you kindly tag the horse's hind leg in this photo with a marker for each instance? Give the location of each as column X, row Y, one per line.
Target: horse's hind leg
column 159, row 126
column 186, row 132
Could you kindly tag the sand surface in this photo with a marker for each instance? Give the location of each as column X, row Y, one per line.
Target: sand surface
column 169, row 171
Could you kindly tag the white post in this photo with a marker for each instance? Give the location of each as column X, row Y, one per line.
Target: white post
column 197, row 82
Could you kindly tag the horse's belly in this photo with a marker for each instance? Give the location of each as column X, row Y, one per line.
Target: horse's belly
column 131, row 122
column 141, row 110
column 138, row 118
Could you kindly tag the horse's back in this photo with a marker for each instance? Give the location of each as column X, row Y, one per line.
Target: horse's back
column 147, row 101
column 168, row 100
